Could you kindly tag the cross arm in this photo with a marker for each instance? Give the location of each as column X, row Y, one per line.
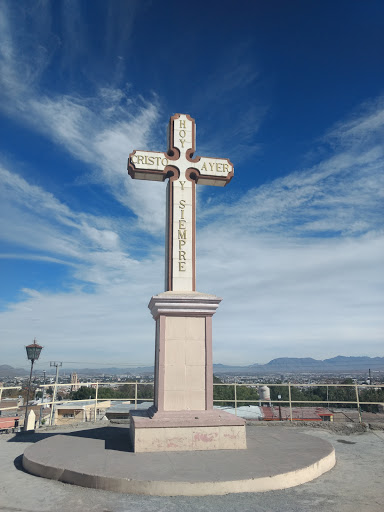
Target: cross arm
column 212, row 171
column 149, row 165
column 182, row 145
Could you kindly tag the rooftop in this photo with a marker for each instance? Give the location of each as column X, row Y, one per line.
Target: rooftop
column 347, row 487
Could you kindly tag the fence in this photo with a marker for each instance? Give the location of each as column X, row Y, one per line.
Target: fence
column 135, row 399
column 1, row 396
column 291, row 385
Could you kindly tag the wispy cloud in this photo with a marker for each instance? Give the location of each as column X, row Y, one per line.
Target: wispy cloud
column 298, row 260
column 302, row 256
column 223, row 85
column 34, row 220
column 341, row 195
column 364, row 126
column 100, row 130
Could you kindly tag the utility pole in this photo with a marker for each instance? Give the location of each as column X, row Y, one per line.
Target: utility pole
column 57, row 365
column 42, row 401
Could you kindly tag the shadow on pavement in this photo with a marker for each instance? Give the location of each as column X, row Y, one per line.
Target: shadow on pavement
column 115, row 438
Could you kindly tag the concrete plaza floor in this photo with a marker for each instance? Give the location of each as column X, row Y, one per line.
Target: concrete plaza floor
column 103, row 459
column 355, row 483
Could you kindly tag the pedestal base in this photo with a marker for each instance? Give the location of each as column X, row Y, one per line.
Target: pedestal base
column 186, row 431
column 276, row 458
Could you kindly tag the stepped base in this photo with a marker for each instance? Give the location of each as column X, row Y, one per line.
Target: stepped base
column 101, row 459
column 186, row 431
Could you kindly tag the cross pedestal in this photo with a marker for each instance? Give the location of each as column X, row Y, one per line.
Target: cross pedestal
column 182, row 416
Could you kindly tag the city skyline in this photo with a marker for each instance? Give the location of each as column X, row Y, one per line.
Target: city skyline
column 291, row 93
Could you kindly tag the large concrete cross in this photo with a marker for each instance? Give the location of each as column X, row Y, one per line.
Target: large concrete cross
column 184, row 171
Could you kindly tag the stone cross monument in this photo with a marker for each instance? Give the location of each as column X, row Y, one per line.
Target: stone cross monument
column 183, row 171
column 182, row 417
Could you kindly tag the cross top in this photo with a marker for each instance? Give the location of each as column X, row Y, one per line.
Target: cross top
column 184, row 172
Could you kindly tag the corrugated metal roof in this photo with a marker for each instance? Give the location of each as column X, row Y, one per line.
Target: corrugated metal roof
column 244, row 411
column 298, row 413
column 122, row 408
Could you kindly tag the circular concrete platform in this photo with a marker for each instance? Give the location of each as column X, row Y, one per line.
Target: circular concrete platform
column 275, row 459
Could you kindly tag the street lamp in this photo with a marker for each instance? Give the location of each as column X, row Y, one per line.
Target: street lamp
column 33, row 353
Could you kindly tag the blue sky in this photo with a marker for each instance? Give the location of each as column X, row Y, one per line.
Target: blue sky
column 291, row 92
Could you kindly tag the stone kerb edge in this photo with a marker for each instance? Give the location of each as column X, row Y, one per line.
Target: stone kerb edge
column 33, row 463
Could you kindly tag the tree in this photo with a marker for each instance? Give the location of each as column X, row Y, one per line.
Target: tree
column 227, row 394
column 371, row 395
column 83, row 393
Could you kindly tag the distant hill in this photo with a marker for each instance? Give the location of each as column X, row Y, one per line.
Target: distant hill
column 348, row 361
column 281, row 365
column 297, row 362
column 9, row 371
column 307, row 364
column 141, row 370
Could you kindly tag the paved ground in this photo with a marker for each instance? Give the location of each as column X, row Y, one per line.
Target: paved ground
column 356, row 483
column 102, row 458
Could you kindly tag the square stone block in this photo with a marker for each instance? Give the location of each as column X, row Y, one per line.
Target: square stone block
column 175, row 378
column 174, row 328
column 148, row 438
column 195, row 329
column 175, row 352
column 195, row 352
column 203, row 437
column 195, row 400
column 195, row 377
column 175, row 439
column 231, row 436
column 174, row 400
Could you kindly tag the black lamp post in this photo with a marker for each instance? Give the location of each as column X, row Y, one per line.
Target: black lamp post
column 33, row 353
column 279, row 398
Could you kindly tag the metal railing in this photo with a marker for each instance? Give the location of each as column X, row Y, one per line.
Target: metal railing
column 236, row 401
column 289, row 385
column 1, row 396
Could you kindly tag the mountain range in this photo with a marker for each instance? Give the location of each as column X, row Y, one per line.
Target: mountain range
column 280, row 365
column 307, row 365
column 9, row 371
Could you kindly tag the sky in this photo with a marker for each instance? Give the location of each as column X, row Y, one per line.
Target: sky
column 291, row 92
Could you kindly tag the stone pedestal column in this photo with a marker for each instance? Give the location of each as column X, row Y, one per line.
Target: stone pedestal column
column 182, row 417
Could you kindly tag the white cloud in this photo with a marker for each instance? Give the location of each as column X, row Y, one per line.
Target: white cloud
column 365, row 124
column 293, row 296
column 298, row 261
column 35, row 220
column 101, row 130
column 342, row 194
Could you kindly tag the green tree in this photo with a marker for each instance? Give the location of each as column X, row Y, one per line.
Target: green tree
column 125, row 391
column 247, row 395
column 106, row 392
column 371, row 395
column 83, row 393
column 145, row 391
